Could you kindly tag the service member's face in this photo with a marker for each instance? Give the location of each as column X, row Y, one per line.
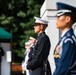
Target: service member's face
column 62, row 21
column 37, row 28
column 32, row 41
column 27, row 46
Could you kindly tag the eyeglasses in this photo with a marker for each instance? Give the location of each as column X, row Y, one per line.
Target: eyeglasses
column 36, row 24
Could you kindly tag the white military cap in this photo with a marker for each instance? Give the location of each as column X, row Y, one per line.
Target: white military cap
column 32, row 38
column 27, row 43
column 42, row 21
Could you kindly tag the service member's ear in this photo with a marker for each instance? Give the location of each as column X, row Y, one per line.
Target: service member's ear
column 42, row 27
column 68, row 18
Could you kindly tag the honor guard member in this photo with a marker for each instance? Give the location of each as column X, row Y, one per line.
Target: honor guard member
column 65, row 51
column 41, row 49
column 1, row 54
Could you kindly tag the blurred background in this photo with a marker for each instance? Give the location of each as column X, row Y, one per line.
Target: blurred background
column 16, row 17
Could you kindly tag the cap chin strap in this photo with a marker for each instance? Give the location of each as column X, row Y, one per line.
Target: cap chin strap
column 61, row 12
column 65, row 11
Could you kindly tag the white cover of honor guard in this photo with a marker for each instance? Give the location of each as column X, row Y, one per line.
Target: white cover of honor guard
column 32, row 38
column 39, row 20
column 27, row 43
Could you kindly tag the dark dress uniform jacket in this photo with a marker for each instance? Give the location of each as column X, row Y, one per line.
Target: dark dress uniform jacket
column 64, row 53
column 1, row 53
column 39, row 54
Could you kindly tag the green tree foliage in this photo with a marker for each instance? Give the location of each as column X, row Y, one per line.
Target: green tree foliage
column 16, row 16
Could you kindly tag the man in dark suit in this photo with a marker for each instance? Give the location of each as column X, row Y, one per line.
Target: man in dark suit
column 38, row 62
column 65, row 51
column 1, row 54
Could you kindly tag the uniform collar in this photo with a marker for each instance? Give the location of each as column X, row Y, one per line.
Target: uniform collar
column 64, row 32
column 41, row 33
column 67, row 32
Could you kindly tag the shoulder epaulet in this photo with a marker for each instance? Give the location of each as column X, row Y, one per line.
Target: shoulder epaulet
column 68, row 38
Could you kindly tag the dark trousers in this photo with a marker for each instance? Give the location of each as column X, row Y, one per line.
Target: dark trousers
column 24, row 72
column 38, row 71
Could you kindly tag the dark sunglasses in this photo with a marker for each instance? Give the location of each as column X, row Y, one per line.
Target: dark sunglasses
column 36, row 24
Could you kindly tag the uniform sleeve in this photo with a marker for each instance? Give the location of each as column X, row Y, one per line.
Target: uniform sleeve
column 43, row 45
column 65, row 61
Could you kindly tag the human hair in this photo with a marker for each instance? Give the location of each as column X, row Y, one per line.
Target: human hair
column 44, row 26
column 73, row 18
